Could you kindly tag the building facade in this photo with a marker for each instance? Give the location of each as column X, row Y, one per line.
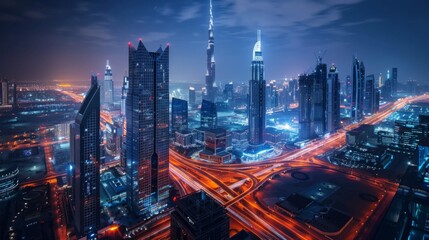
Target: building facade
column 147, row 130
column 85, row 154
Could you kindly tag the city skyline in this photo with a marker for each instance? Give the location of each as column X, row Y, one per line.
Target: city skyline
column 330, row 151
column 98, row 32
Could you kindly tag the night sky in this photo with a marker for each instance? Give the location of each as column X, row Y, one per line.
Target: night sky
column 67, row 40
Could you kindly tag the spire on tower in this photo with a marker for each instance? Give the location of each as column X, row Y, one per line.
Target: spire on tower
column 211, row 16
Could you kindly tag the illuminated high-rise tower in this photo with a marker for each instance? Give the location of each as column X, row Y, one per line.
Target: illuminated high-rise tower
column 108, row 84
column 210, row 74
column 333, row 100
column 125, row 87
column 319, row 98
column 257, row 87
column 85, row 156
column 358, row 71
column 147, row 133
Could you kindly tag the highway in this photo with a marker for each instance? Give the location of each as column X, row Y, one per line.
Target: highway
column 232, row 185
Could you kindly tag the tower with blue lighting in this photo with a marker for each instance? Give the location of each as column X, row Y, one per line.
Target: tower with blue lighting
column 147, row 138
column 211, row 65
column 257, row 108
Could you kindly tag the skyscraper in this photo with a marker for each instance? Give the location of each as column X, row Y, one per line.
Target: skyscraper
column 85, row 154
column 319, row 98
column 192, row 97
column 108, row 84
column 4, row 92
column 179, row 115
column 228, row 94
column 349, row 90
column 394, row 81
column 147, row 133
column 305, row 104
column 210, row 74
column 358, row 75
column 257, row 88
column 208, row 114
column 125, row 87
column 333, row 101
column 198, row 216
column 370, row 95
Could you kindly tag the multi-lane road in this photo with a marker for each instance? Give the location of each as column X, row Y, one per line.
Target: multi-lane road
column 233, row 185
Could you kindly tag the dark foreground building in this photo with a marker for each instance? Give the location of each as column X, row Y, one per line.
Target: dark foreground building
column 85, row 154
column 198, row 216
column 147, row 139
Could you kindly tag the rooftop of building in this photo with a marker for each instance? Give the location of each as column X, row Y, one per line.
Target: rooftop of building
column 199, row 205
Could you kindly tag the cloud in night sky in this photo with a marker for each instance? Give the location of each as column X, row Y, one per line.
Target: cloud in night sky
column 189, row 12
column 71, row 39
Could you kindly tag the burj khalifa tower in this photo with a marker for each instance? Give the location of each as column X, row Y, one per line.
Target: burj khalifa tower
column 210, row 74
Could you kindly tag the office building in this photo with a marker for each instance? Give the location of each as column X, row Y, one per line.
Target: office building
column 333, row 116
column 386, row 90
column 124, row 92
column 216, row 141
column 319, row 98
column 113, row 137
column 208, row 114
column 305, row 104
column 348, row 91
column 184, row 138
column 228, row 95
column 358, row 71
column 9, row 182
column 407, row 135
column 198, row 216
column 147, row 130
column 192, row 97
column 85, row 156
column 210, row 74
column 360, row 135
column 370, row 95
column 108, row 84
column 179, row 115
column 257, row 107
column 394, row 81
column 4, row 92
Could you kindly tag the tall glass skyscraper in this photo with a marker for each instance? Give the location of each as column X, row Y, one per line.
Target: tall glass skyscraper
column 179, row 115
column 370, row 95
column 85, row 154
column 147, row 139
column 319, row 98
column 333, row 116
column 108, row 84
column 257, row 88
column 306, row 83
column 358, row 75
column 210, row 74
column 208, row 114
